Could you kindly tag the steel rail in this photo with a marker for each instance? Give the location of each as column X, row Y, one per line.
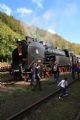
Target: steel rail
column 78, row 116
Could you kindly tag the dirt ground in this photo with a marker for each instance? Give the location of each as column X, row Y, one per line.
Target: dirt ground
column 16, row 96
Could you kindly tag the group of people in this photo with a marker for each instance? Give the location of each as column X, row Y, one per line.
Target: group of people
column 36, row 76
column 75, row 69
column 62, row 84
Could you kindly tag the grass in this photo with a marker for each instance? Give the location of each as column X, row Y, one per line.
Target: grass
column 46, row 86
column 56, row 109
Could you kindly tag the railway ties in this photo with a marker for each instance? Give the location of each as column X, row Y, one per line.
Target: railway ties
column 22, row 115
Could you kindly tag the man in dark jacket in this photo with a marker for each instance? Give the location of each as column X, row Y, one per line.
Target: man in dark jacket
column 37, row 76
column 55, row 72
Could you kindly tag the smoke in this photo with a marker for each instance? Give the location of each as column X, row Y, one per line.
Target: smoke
column 29, row 30
column 24, row 28
column 40, row 34
column 50, row 38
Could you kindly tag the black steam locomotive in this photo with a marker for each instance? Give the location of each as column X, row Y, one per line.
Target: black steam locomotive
column 30, row 50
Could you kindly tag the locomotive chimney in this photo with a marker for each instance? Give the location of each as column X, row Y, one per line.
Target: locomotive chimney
column 26, row 37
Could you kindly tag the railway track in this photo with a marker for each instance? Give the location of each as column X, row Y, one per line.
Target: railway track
column 22, row 114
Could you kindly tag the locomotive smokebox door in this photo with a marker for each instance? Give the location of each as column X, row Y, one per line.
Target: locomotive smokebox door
column 35, row 52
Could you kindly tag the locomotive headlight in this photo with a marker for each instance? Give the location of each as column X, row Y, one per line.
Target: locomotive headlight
column 37, row 51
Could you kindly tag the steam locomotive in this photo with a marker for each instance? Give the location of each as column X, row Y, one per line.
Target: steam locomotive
column 30, row 50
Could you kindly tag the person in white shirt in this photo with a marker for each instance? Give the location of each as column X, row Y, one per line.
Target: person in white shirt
column 63, row 84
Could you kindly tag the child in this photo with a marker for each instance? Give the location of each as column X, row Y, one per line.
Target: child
column 63, row 84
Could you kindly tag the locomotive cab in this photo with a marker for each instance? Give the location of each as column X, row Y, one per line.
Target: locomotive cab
column 19, row 59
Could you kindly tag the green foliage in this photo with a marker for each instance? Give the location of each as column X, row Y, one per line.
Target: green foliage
column 11, row 22
column 7, row 40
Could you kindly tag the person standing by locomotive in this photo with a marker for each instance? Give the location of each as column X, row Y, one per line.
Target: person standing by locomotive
column 37, row 76
column 33, row 70
column 74, row 71
column 55, row 72
column 78, row 71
